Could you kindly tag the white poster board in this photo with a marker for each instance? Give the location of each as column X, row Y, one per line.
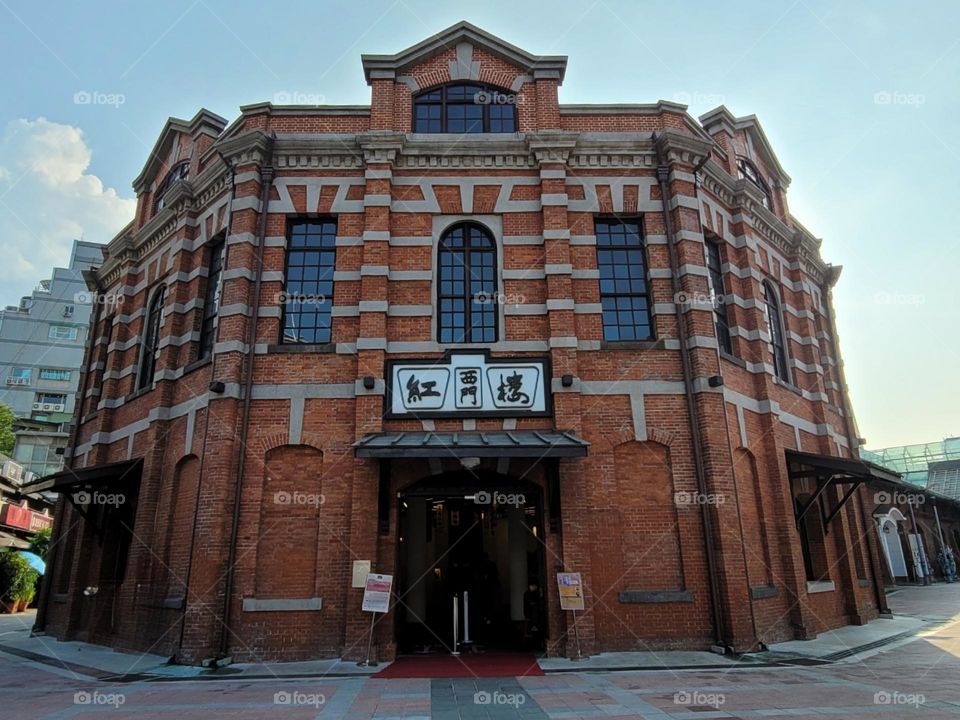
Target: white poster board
column 376, row 593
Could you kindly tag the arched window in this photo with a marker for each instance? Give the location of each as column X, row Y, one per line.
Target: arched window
column 778, row 344
column 180, row 171
column 149, row 347
column 465, row 108
column 467, row 285
column 748, row 171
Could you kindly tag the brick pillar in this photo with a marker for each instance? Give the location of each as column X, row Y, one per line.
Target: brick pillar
column 380, row 150
column 210, row 541
column 552, row 150
column 681, row 203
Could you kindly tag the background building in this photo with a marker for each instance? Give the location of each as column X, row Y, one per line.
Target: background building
column 41, row 348
column 471, row 336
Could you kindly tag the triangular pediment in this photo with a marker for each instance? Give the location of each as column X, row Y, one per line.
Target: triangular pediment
column 204, row 122
column 459, row 37
column 721, row 117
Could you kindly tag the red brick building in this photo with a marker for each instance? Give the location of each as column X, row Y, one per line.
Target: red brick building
column 474, row 336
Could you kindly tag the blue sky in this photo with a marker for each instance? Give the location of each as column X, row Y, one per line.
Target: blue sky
column 860, row 101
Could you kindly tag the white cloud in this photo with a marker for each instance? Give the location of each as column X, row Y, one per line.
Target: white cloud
column 47, row 200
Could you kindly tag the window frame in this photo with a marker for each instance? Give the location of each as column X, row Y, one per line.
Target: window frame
column 721, row 316
column 152, row 324
column 773, row 309
column 646, row 294
column 332, row 248
column 68, row 373
column 178, row 171
column 467, row 295
column 72, row 332
column 216, row 264
column 748, row 171
column 420, row 100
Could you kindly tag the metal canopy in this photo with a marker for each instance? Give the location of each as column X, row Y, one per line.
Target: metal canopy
column 499, row 443
column 832, row 471
column 842, row 469
column 96, row 476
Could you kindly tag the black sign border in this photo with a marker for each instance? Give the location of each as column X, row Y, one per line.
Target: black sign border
column 445, row 360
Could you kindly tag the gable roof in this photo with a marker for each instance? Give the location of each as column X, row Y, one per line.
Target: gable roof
column 721, row 116
column 204, row 122
column 388, row 66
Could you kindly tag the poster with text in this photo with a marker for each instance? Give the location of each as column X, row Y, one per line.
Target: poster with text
column 376, row 593
column 571, row 591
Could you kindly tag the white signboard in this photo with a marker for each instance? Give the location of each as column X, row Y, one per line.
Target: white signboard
column 361, row 568
column 376, row 593
column 463, row 384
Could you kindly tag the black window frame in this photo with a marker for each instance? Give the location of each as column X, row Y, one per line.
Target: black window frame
column 150, row 338
column 298, row 302
column 483, row 299
column 442, row 98
column 216, row 262
column 749, row 172
column 778, row 335
column 180, row 171
column 620, row 297
column 721, row 316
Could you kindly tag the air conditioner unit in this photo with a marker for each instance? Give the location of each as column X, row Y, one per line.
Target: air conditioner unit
column 12, row 471
column 68, row 311
column 18, row 381
column 38, row 406
column 58, row 407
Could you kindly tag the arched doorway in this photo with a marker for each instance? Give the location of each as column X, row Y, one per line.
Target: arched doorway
column 473, row 538
column 892, row 547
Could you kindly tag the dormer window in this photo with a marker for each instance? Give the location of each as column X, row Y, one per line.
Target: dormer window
column 465, row 108
column 746, row 170
column 180, row 171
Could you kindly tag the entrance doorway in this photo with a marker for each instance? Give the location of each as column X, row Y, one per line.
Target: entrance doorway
column 473, row 539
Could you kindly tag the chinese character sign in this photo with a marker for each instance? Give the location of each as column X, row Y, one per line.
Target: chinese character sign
column 469, row 383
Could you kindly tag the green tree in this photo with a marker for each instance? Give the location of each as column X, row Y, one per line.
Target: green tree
column 40, row 542
column 6, row 430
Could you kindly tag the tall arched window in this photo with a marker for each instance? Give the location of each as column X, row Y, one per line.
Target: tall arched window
column 467, row 285
column 149, row 347
column 465, row 108
column 748, row 171
column 778, row 345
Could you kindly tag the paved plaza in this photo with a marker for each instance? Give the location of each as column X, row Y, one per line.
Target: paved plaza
column 912, row 677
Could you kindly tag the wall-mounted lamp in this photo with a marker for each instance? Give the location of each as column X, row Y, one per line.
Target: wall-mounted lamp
column 217, row 386
column 369, row 382
column 566, row 380
column 715, row 381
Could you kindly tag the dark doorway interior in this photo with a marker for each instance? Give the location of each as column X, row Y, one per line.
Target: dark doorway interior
column 480, row 536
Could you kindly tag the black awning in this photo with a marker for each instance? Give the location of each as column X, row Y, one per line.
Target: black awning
column 498, row 443
column 839, row 470
column 831, row 471
column 94, row 477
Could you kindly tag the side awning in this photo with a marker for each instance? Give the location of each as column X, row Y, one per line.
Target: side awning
column 831, row 471
column 96, row 477
column 501, row 443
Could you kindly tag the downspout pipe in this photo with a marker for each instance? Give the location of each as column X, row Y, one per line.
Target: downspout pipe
column 716, row 608
column 206, row 423
column 266, row 184
column 40, row 622
column 878, row 590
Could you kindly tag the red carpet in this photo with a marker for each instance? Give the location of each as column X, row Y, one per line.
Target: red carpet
column 487, row 665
